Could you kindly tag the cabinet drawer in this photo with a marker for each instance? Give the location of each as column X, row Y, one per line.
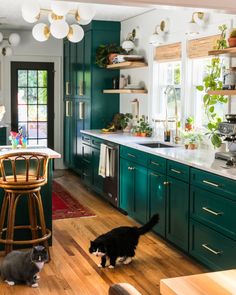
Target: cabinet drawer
column 213, row 210
column 157, row 163
column 178, row 170
column 211, row 248
column 214, row 183
column 86, row 139
column 96, row 142
column 134, row 155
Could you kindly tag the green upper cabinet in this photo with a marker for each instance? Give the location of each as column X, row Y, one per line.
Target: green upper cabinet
column 177, row 212
column 157, row 196
column 84, row 82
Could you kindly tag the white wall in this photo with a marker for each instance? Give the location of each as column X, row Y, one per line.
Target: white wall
column 32, row 51
column 178, row 19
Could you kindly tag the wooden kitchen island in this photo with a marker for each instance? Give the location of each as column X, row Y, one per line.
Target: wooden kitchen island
column 46, row 192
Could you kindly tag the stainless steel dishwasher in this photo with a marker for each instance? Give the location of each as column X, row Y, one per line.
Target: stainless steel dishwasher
column 111, row 184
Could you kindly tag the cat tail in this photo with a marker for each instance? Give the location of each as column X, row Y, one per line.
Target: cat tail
column 149, row 225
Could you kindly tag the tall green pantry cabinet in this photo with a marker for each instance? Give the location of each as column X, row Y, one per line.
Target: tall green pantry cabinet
column 85, row 105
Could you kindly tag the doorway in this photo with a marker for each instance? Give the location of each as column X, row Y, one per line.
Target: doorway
column 32, row 101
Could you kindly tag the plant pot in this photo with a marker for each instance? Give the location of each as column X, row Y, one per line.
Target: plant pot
column 137, row 134
column 188, row 126
column 192, row 146
column 111, row 57
column 232, row 42
column 186, row 146
column 143, row 134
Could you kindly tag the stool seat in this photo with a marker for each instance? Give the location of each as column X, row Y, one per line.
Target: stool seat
column 22, row 175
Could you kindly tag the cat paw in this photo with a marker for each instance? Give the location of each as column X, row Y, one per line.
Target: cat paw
column 122, row 259
column 99, row 265
column 128, row 260
column 35, row 285
column 10, row 283
column 111, row 266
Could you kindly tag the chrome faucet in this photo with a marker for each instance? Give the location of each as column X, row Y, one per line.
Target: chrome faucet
column 167, row 91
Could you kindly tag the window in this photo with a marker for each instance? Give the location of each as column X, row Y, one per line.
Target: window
column 198, row 69
column 169, row 74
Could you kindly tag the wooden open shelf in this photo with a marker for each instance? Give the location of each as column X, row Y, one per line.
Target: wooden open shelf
column 127, row 65
column 222, row 92
column 231, row 51
column 124, row 91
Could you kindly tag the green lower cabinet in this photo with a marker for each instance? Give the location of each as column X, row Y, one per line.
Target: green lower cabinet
column 157, row 197
column 87, row 164
column 177, row 225
column 97, row 180
column 211, row 248
column 134, row 190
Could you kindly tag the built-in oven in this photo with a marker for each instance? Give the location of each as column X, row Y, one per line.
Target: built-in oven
column 111, row 183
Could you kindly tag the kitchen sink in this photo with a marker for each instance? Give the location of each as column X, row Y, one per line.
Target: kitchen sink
column 156, row 145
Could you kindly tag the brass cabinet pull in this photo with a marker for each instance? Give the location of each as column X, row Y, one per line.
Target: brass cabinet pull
column 176, row 171
column 130, row 155
column 81, row 88
column 212, row 212
column 67, row 88
column 205, row 246
column 166, row 183
column 154, row 174
column 131, row 168
column 67, row 109
column 154, row 163
column 81, row 110
column 211, row 183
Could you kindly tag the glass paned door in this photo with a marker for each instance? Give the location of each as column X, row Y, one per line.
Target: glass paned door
column 32, row 101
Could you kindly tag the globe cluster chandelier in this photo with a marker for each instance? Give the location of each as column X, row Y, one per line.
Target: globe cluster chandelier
column 58, row 27
column 6, row 43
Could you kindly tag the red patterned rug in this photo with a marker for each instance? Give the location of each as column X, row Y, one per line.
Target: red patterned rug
column 65, row 206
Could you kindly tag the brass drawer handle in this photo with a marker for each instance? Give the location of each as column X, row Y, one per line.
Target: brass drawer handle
column 67, row 88
column 176, row 171
column 131, row 168
column 205, row 246
column 67, row 109
column 130, row 155
column 81, row 110
column 211, row 183
column 154, row 174
column 154, row 163
column 212, row 212
column 166, row 183
column 81, row 88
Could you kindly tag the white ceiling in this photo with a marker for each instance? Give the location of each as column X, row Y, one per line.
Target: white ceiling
column 10, row 13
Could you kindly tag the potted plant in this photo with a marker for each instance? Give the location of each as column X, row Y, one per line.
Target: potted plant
column 192, row 139
column 142, row 128
column 212, row 81
column 232, row 38
column 221, row 42
column 106, row 53
column 125, row 122
column 189, row 123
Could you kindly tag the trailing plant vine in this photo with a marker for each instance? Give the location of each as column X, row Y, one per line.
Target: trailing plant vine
column 212, row 81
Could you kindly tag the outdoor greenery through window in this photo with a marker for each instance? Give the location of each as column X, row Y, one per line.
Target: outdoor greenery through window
column 32, row 105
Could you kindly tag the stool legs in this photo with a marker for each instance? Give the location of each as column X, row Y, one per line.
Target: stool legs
column 10, row 222
column 42, row 221
column 32, row 216
column 3, row 213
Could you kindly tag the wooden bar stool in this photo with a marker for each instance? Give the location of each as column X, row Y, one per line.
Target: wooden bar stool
column 22, row 175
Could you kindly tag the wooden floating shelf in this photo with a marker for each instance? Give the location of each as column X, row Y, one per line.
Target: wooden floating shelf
column 127, row 65
column 231, row 51
column 222, row 92
column 124, row 91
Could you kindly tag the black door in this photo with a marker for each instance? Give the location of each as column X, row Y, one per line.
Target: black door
column 32, row 101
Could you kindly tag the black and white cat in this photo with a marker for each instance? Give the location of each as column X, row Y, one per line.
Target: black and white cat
column 120, row 242
column 23, row 267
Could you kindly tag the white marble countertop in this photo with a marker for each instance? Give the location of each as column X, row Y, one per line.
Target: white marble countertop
column 7, row 149
column 201, row 159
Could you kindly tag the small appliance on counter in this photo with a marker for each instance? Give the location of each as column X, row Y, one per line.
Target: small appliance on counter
column 228, row 131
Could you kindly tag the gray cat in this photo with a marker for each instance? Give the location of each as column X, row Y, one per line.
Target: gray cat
column 23, row 267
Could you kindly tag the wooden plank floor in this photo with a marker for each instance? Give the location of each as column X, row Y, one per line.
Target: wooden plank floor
column 73, row 270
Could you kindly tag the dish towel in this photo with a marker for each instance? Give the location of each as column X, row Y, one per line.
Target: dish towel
column 104, row 161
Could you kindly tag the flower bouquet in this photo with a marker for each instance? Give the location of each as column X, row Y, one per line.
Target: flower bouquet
column 18, row 139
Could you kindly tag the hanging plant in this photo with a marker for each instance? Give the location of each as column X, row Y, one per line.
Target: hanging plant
column 103, row 52
column 212, row 81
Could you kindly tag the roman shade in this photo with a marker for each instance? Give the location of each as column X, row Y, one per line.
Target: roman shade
column 197, row 48
column 170, row 52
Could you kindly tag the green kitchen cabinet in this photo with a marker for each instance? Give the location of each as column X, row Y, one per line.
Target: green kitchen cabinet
column 134, row 189
column 84, row 82
column 157, row 197
column 3, row 135
column 97, row 180
column 177, row 212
